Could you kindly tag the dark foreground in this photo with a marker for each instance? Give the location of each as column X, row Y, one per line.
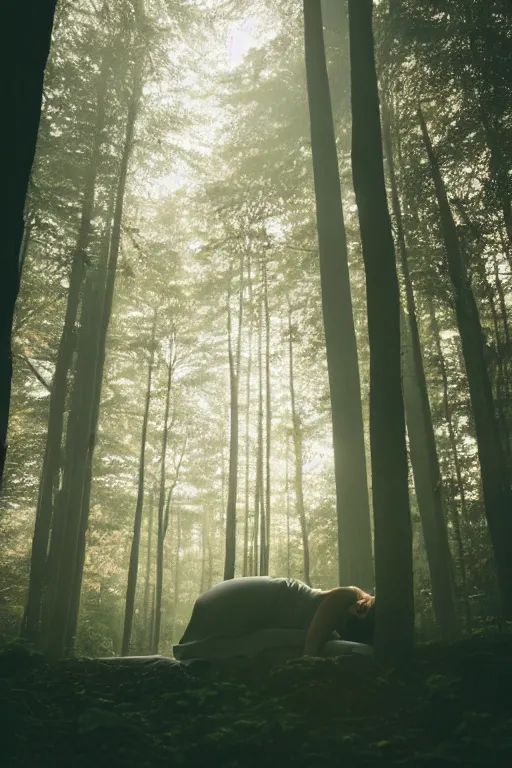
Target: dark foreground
column 451, row 707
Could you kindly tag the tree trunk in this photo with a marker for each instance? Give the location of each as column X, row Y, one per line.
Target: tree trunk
column 145, row 644
column 287, row 503
column 246, row 569
column 392, row 522
column 205, row 542
column 234, row 381
column 52, row 461
column 495, row 482
column 134, row 552
column 268, row 414
column 352, row 503
column 456, row 517
column 25, row 44
column 259, row 472
column 297, row 444
column 422, row 442
column 161, row 519
column 176, row 573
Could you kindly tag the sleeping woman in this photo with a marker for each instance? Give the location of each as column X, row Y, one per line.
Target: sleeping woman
column 239, row 607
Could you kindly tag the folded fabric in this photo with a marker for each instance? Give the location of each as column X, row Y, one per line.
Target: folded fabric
column 252, row 644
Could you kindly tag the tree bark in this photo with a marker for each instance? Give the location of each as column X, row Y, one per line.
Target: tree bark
column 495, row 481
column 25, row 44
column 392, row 522
column 352, row 503
column 134, row 552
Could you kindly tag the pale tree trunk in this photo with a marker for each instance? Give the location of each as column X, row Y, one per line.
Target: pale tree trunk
column 260, row 471
column 234, row 382
column 133, row 567
column 494, row 471
column 456, row 517
column 422, row 442
column 352, row 501
column 298, row 448
column 268, row 421
column 394, row 636
column 246, row 566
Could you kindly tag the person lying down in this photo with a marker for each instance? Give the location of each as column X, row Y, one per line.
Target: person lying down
column 245, row 615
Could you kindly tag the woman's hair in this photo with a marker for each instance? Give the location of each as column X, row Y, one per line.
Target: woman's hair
column 361, row 629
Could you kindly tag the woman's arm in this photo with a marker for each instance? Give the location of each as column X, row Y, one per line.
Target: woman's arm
column 331, row 612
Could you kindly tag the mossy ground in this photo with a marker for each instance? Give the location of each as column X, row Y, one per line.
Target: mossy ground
column 451, row 706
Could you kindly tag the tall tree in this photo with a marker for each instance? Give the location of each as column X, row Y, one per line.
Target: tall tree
column 495, row 478
column 234, row 356
column 422, row 442
column 392, row 521
column 27, row 28
column 352, row 503
column 137, row 524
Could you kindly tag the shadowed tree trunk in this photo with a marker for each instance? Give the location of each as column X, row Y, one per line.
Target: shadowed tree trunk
column 352, row 503
column 495, row 480
column 392, row 521
column 26, row 44
column 260, row 514
column 422, row 442
column 134, row 552
column 297, row 445
column 234, row 383
column 176, row 597
column 287, row 503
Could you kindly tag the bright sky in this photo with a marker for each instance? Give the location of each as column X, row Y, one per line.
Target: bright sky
column 241, row 40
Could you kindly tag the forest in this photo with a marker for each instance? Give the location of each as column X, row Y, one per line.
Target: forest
column 256, row 321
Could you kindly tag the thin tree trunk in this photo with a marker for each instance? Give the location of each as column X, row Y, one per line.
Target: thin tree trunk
column 259, row 472
column 234, row 381
column 268, row 422
column 456, row 517
column 287, row 504
column 495, row 481
column 297, row 444
column 422, row 442
column 246, row 569
column 205, row 536
column 392, row 521
column 26, row 44
column 352, row 501
column 161, row 508
column 176, row 573
column 146, row 614
column 137, row 524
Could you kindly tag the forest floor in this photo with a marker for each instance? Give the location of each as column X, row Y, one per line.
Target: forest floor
column 452, row 706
